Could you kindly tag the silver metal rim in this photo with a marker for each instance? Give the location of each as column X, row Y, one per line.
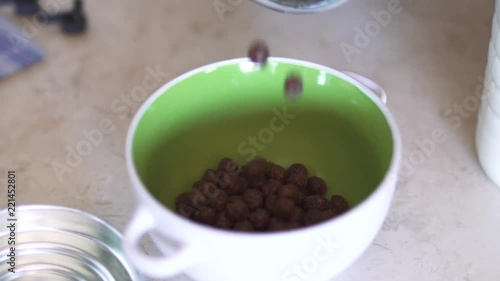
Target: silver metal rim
column 329, row 5
column 58, row 243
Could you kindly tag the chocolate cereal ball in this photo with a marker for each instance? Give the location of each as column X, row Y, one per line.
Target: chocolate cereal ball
column 219, row 201
column 313, row 216
column 277, row 224
column 223, row 221
column 297, row 215
column 257, row 182
column 183, row 198
column 297, row 168
column 260, row 218
column 269, row 201
column 316, row 186
column 256, row 167
column 194, row 199
column 223, row 179
column 258, row 52
column 237, row 210
column 328, row 214
column 229, row 166
column 271, row 187
column 243, row 184
column 184, row 205
column 199, row 200
column 290, row 191
column 235, row 185
column 186, row 211
column 209, row 189
column 300, row 198
column 315, row 202
column 283, row 208
column 210, row 176
column 235, row 198
column 339, row 204
column 253, row 198
column 293, row 86
column 299, row 180
column 294, row 225
column 244, row 226
column 197, row 185
column 205, row 216
column 276, row 172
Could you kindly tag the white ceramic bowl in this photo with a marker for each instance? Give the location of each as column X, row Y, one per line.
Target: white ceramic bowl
column 317, row 253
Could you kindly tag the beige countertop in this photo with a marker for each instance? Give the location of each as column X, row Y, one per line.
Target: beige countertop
column 444, row 223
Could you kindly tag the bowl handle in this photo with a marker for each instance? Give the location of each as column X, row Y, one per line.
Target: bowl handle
column 155, row 267
column 379, row 91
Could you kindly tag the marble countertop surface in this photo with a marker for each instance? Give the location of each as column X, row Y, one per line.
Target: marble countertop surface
column 430, row 57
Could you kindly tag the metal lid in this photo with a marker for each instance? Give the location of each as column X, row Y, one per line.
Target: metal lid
column 60, row 244
column 300, row 6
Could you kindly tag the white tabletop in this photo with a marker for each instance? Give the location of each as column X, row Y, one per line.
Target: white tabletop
column 444, row 223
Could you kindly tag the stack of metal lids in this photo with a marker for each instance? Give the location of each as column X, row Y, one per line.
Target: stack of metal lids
column 60, row 244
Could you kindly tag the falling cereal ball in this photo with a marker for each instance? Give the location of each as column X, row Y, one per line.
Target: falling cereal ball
column 258, row 52
column 293, row 86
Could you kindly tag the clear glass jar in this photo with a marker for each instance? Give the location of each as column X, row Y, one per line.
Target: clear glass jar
column 488, row 127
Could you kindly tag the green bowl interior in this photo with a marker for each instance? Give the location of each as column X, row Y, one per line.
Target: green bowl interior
column 237, row 110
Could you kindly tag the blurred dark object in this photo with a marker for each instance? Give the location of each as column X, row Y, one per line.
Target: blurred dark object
column 26, row 7
column 17, row 52
column 72, row 22
column 23, row 7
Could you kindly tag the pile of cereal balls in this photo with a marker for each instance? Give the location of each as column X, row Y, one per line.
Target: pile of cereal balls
column 259, row 197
